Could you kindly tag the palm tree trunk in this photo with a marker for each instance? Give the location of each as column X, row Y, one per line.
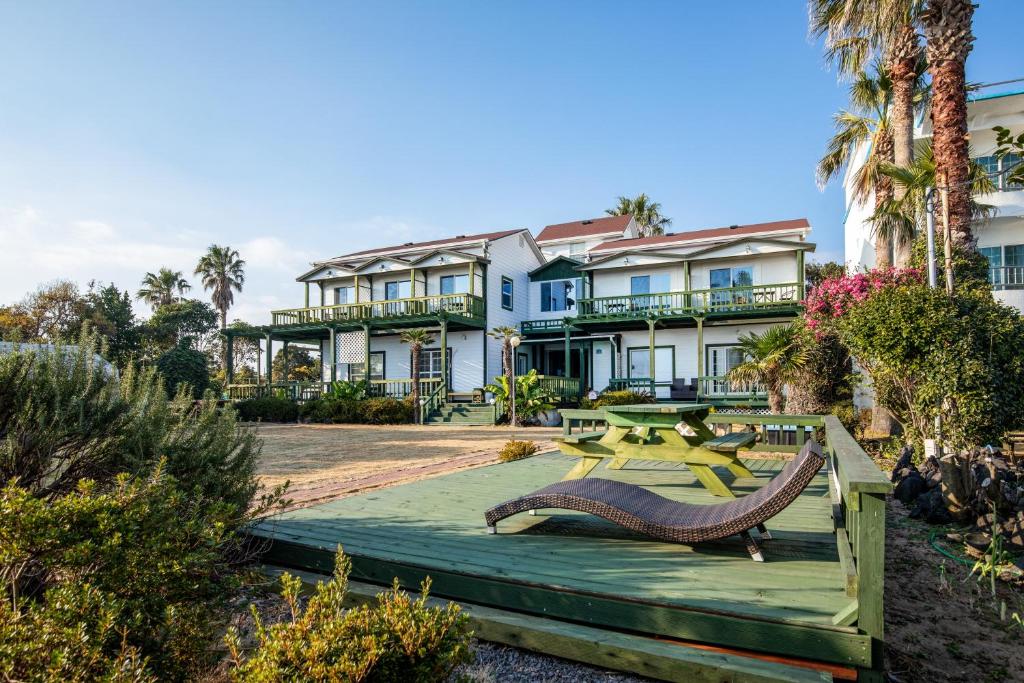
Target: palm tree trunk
column 224, row 346
column 416, row 417
column 952, row 155
column 506, row 359
column 775, row 400
column 902, row 71
column 947, row 29
column 883, row 194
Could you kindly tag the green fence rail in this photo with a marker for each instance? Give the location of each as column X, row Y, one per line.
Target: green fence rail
column 466, row 305
column 563, row 388
column 692, row 302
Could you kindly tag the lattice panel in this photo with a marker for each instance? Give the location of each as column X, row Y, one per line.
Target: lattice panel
column 351, row 347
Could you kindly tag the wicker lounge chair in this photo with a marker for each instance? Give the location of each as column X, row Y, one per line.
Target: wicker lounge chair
column 640, row 510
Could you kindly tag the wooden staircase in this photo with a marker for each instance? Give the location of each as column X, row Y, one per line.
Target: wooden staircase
column 462, row 413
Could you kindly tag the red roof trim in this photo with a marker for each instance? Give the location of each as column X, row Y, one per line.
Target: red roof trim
column 710, row 233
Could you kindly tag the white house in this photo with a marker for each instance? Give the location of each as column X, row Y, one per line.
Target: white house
column 1001, row 238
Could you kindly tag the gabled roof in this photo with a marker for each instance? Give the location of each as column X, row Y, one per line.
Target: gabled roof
column 447, row 252
column 805, row 246
column 700, row 235
column 585, row 228
column 416, row 246
column 556, row 269
column 382, row 259
column 605, row 258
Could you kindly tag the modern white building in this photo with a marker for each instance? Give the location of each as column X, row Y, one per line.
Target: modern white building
column 596, row 307
column 1001, row 238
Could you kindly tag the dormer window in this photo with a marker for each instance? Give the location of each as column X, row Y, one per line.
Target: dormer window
column 577, row 248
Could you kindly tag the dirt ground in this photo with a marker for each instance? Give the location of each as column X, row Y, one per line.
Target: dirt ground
column 327, row 461
column 941, row 624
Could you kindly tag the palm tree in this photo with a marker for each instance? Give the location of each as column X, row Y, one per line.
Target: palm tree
column 856, row 30
column 772, row 358
column 417, row 339
column 947, row 29
column 505, row 334
column 646, row 213
column 222, row 271
column 165, row 287
column 867, row 125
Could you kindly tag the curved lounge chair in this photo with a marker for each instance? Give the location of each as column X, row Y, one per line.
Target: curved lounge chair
column 645, row 512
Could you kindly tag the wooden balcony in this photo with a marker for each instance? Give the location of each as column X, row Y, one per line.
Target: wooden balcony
column 528, row 327
column 467, row 307
column 779, row 298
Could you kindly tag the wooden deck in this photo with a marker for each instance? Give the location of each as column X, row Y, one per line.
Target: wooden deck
column 581, row 569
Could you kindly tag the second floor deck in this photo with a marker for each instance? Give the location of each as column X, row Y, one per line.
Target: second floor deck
column 726, row 301
column 466, row 308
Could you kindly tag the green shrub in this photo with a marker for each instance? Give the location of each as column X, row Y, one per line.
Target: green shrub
column 331, row 410
column 386, row 411
column 182, row 366
column 516, row 450
column 136, row 568
column 398, row 639
column 353, row 391
column 617, row 398
column 268, row 409
column 64, row 416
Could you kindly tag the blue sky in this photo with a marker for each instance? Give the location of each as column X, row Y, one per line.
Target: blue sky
column 134, row 134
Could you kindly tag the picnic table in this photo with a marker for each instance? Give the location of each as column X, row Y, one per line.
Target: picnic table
column 648, row 432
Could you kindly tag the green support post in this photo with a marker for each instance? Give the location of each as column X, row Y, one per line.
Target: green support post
column 800, row 276
column 650, row 345
column 334, row 354
column 229, row 360
column 568, row 357
column 307, row 295
column 444, row 354
column 686, row 283
column 269, row 359
column 323, row 295
column 284, row 357
column 366, row 355
column 700, row 356
column 472, row 277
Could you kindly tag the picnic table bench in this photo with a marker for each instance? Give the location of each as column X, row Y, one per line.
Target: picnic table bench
column 648, row 432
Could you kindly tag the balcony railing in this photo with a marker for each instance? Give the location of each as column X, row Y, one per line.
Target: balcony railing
column 541, row 326
column 466, row 305
column 693, row 302
column 400, row 388
column 719, row 387
column 306, row 391
column 561, row 388
column 1006, row 277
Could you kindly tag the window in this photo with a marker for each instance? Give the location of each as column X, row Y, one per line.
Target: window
column 397, row 290
column 577, row 248
column 720, row 360
column 997, row 169
column 658, row 283
column 344, row 295
column 454, row 284
column 558, row 295
column 354, row 372
column 732, row 279
column 506, row 293
column 995, row 262
column 430, row 363
column 664, row 367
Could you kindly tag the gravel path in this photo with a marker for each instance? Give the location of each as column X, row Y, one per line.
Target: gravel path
column 502, row 664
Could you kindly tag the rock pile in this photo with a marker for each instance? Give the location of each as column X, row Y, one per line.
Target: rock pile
column 980, row 487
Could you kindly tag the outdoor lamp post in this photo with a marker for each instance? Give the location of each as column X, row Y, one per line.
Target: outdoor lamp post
column 514, row 342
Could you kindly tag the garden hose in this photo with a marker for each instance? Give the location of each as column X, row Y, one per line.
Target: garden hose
column 932, row 540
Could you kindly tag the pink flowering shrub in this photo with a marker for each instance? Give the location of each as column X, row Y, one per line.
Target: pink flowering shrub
column 835, row 296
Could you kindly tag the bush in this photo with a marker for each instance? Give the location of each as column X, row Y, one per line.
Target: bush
column 374, row 411
column 398, row 639
column 137, row 572
column 268, row 409
column 184, row 366
column 386, row 411
column 64, row 417
column 617, row 398
column 516, row 450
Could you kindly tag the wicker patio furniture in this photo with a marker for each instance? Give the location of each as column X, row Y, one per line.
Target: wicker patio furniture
column 645, row 512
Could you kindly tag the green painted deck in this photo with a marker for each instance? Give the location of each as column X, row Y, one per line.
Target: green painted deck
column 580, row 568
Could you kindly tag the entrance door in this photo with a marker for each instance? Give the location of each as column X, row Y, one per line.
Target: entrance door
column 722, row 359
column 664, row 361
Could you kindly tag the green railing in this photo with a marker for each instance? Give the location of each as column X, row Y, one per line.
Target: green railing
column 720, row 387
column 296, row 391
column 434, row 400
column 466, row 305
column 776, row 433
column 562, row 388
column 693, row 302
column 645, row 384
column 400, row 388
column 542, row 326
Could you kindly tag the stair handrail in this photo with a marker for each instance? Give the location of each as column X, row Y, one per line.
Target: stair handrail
column 434, row 401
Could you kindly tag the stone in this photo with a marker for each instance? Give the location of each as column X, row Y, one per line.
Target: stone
column 910, row 487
